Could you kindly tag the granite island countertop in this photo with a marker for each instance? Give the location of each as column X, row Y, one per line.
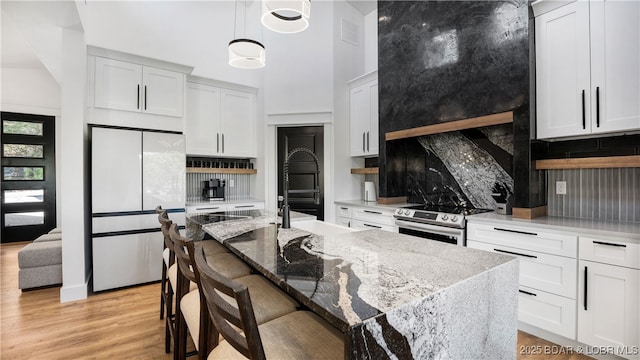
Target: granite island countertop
column 391, row 294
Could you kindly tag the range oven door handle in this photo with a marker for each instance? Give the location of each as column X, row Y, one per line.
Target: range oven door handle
column 429, row 228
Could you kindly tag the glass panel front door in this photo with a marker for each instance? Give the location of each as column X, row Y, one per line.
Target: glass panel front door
column 28, row 176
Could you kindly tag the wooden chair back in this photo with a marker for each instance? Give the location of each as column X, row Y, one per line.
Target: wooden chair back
column 183, row 249
column 227, row 318
column 165, row 225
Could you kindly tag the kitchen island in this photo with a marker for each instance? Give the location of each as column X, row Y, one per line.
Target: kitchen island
column 392, row 295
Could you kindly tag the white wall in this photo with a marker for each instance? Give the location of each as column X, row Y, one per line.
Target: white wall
column 74, row 170
column 349, row 63
column 371, row 41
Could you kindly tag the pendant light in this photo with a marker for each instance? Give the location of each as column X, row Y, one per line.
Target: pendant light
column 286, row 16
column 245, row 53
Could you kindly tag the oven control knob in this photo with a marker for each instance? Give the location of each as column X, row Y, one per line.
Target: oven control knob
column 445, row 217
column 407, row 212
column 454, row 218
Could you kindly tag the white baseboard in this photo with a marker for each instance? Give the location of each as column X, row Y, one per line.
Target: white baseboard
column 73, row 293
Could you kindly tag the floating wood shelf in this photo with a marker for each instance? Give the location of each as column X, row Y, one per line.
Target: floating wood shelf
column 193, row 170
column 471, row 123
column 365, row 171
column 590, row 163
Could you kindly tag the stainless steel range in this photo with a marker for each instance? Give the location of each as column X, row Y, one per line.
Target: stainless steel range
column 435, row 222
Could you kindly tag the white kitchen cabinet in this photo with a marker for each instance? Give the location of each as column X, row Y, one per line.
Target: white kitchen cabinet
column 366, row 217
column 222, row 206
column 587, row 73
column 238, row 123
column 202, row 119
column 363, row 121
column 220, row 122
column 121, row 85
column 547, row 279
column 609, row 294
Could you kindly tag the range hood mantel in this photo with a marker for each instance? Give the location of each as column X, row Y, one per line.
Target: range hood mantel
column 470, row 123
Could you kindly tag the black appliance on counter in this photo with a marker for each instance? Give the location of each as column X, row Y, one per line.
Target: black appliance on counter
column 213, row 189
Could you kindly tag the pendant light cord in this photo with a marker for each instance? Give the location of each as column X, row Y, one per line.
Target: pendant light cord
column 235, row 19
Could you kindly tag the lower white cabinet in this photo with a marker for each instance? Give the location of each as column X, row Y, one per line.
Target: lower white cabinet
column 547, row 311
column 220, row 207
column 608, row 305
column 609, row 295
column 363, row 218
column 548, row 276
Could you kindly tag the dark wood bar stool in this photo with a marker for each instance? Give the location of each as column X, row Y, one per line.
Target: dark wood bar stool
column 168, row 258
column 272, row 302
column 297, row 335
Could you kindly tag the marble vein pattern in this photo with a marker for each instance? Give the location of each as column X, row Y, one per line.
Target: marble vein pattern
column 225, row 230
column 393, row 295
column 477, row 173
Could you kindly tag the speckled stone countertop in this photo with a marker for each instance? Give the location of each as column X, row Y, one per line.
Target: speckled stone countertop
column 393, row 295
column 576, row 226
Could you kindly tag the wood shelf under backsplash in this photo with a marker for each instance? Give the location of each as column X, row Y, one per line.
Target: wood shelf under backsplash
column 365, row 171
column 192, row 170
column 630, row 161
column 471, row 123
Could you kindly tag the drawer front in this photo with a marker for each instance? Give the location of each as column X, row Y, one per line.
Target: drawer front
column 610, row 252
column 343, row 221
column 550, row 312
column 550, row 273
column 245, row 206
column 206, row 208
column 384, row 217
column 524, row 238
column 368, row 225
column 343, row 211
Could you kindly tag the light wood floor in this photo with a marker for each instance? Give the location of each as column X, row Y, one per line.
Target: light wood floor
column 122, row 324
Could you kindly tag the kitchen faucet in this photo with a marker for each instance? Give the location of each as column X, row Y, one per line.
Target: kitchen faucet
column 286, row 220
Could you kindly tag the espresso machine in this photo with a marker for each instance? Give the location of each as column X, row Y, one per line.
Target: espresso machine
column 213, row 189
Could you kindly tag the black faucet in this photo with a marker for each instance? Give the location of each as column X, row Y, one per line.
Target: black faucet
column 286, row 219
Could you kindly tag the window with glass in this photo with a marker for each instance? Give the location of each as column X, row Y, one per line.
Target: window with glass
column 23, row 151
column 27, row 173
column 21, row 127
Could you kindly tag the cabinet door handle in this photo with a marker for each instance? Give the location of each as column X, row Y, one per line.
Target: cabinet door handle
column 363, row 148
column 515, row 253
column 223, row 143
column 528, row 293
column 344, row 208
column 217, row 142
column 209, row 208
column 585, row 288
column 516, row 231
column 598, row 106
column 145, row 97
column 367, row 141
column 373, row 212
column 609, row 244
column 373, row 226
column 349, row 223
column 138, row 98
column 243, row 206
column 584, row 115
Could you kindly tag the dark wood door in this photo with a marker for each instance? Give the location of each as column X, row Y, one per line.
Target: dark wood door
column 302, row 168
column 28, row 176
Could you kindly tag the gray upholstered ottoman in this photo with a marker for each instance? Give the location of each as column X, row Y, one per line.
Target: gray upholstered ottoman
column 40, row 264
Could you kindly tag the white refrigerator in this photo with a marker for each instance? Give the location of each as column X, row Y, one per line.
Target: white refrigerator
column 132, row 172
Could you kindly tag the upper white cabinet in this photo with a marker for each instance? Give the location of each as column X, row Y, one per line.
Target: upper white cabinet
column 363, row 96
column 588, row 78
column 220, row 122
column 121, row 85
